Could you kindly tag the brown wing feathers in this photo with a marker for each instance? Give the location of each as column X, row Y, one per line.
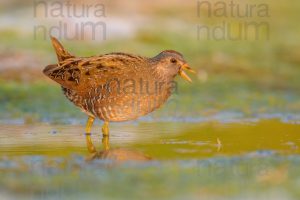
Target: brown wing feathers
column 78, row 73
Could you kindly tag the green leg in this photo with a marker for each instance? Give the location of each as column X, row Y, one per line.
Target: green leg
column 105, row 138
column 105, row 129
column 90, row 146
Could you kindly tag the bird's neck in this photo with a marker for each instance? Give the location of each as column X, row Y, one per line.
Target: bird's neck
column 159, row 71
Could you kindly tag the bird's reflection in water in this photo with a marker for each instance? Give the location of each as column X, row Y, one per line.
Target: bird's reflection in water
column 117, row 154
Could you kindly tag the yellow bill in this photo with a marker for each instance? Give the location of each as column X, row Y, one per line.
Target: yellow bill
column 183, row 74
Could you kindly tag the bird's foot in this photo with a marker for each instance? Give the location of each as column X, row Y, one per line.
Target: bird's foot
column 89, row 143
column 105, row 129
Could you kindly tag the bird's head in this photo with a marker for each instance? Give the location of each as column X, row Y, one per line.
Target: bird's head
column 169, row 63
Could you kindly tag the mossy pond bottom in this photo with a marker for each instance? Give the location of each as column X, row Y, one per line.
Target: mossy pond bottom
column 209, row 160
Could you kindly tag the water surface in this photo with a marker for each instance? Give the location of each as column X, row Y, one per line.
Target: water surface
column 237, row 160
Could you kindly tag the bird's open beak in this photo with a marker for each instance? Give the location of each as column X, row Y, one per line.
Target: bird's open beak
column 183, row 74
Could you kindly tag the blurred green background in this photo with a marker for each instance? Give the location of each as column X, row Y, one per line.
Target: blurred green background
column 213, row 140
column 245, row 77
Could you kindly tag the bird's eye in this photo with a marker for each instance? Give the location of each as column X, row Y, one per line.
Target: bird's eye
column 173, row 60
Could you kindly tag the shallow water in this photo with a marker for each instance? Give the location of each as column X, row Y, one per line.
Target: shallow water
column 162, row 141
column 237, row 160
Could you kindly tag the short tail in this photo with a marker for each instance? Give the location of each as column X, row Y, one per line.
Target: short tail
column 61, row 52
